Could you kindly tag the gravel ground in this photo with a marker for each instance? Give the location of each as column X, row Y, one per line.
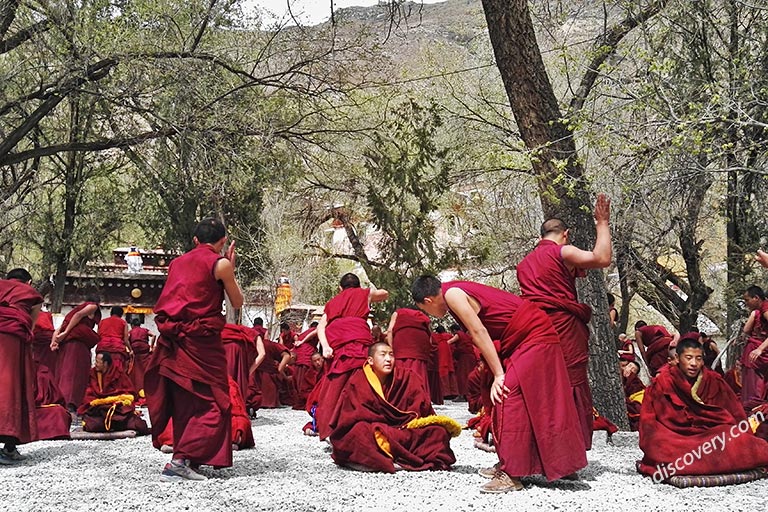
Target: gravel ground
column 288, row 471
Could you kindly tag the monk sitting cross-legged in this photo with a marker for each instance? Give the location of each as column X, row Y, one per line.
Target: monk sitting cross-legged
column 385, row 420
column 108, row 403
column 691, row 423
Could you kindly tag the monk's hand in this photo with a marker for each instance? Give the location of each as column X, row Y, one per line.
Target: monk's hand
column 755, row 355
column 230, row 254
column 54, row 345
column 498, row 390
column 762, row 258
column 328, row 353
column 602, row 208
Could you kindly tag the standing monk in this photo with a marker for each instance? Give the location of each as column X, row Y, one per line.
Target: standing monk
column 345, row 336
column 547, row 277
column 409, row 336
column 142, row 342
column 535, row 426
column 74, row 340
column 19, row 306
column 754, row 358
column 186, row 379
column 113, row 338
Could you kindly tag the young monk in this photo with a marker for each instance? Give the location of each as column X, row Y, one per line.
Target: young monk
column 547, row 277
column 113, row 338
column 375, row 428
column 465, row 360
column 19, row 306
column 409, row 335
column 187, row 375
column 269, row 378
column 309, row 380
column 535, row 423
column 754, row 358
column 653, row 342
column 142, row 342
column 74, row 340
column 236, row 339
column 305, row 348
column 108, row 405
column 345, row 336
column 688, row 407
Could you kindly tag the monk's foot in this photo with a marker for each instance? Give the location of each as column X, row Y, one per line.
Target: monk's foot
column 573, row 477
column 609, row 439
column 235, row 447
column 310, row 432
column 9, row 457
column 500, row 483
column 166, row 448
column 178, row 471
column 489, row 472
column 252, row 413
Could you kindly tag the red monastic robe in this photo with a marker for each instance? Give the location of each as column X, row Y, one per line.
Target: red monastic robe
column 75, row 355
column 303, row 364
column 42, row 334
column 370, row 420
column 108, row 403
column 53, row 418
column 433, row 374
column 306, row 386
column 754, row 375
column 475, row 389
column 656, row 340
column 349, row 336
column 536, row 428
column 187, row 374
column 138, row 337
column 288, row 339
column 265, row 383
column 678, row 418
column 546, row 280
column 633, row 395
column 111, row 332
column 733, row 380
column 465, row 361
column 411, row 342
column 18, row 424
column 236, row 339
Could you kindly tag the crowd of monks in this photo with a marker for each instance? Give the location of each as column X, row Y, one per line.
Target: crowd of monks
column 519, row 362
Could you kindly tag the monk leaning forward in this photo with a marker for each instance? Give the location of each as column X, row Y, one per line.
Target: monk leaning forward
column 186, row 379
column 535, row 425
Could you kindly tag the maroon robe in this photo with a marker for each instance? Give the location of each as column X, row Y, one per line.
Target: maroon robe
column 673, row 424
column 42, row 334
column 475, row 389
column 546, row 280
column 187, row 374
column 733, row 380
column 288, row 339
column 236, row 339
column 656, row 340
column 633, row 385
column 536, row 428
column 411, row 342
column 112, row 416
column 433, row 374
column 265, row 383
column 18, row 424
column 111, row 333
column 138, row 337
column 53, row 418
column 445, row 365
column 304, row 387
column 370, row 431
column 303, row 364
column 349, row 336
column 75, row 355
column 465, row 361
column 754, row 375
column 241, row 422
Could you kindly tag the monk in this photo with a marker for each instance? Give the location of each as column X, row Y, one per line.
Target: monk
column 108, row 405
column 288, row 336
column 465, row 360
column 409, row 335
column 345, row 336
column 475, row 388
column 53, row 418
column 445, row 366
column 269, row 377
column 142, row 342
column 42, row 333
column 733, row 378
column 19, row 307
column 304, row 349
column 634, row 391
column 74, row 340
column 309, row 380
column 113, row 338
column 376, row 429
column 547, row 277
column 256, row 353
column 186, row 379
column 536, row 430
column 754, row 358
column 691, row 422
column 242, row 433
column 236, row 339
column 653, row 342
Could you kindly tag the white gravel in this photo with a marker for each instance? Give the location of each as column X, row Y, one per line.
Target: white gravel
column 288, row 471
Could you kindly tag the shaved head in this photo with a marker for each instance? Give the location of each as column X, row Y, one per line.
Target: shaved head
column 553, row 227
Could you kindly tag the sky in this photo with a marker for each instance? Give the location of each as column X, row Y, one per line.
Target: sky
column 311, row 12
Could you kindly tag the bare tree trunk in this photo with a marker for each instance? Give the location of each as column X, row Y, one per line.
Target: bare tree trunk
column 562, row 186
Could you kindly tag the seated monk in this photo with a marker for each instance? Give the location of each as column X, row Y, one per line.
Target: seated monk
column 242, row 433
column 691, row 423
column 653, row 342
column 108, row 403
column 733, row 378
column 634, row 391
column 53, row 418
column 385, row 420
column 309, row 380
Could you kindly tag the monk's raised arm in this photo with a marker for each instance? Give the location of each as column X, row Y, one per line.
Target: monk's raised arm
column 600, row 256
column 378, row 295
column 225, row 272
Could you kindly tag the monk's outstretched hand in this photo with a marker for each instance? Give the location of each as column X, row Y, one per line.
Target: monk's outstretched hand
column 762, row 258
column 498, row 390
column 602, row 208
